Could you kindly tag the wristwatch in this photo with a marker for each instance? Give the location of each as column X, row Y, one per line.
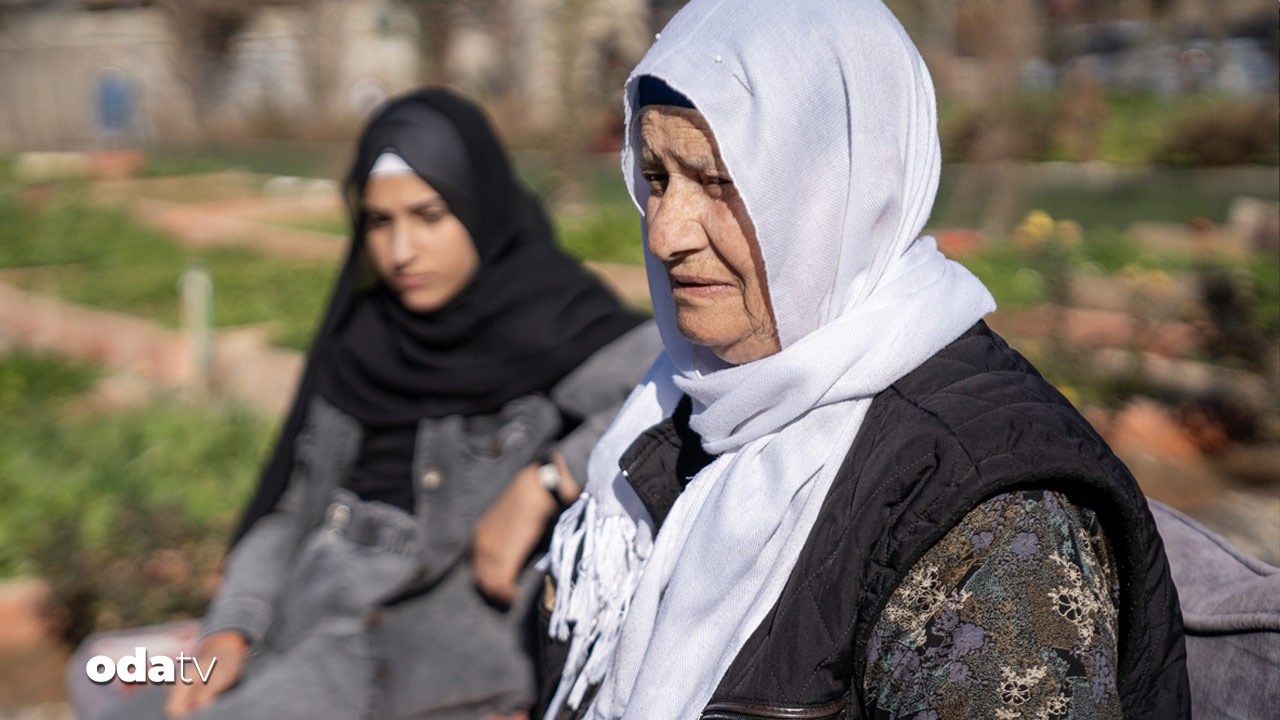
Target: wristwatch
column 549, row 479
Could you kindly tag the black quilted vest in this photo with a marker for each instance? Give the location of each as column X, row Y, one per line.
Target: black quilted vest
column 974, row 421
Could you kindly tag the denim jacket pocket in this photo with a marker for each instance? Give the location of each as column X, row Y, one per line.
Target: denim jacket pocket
column 462, row 464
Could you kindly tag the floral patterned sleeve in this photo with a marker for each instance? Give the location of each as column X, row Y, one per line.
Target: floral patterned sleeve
column 1011, row 615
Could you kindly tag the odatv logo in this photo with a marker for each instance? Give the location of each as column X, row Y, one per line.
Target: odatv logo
column 141, row 668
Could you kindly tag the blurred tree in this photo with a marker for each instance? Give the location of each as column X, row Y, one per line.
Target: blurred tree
column 203, row 30
column 1001, row 34
column 1079, row 115
column 436, row 22
column 495, row 17
column 570, row 144
column 321, row 40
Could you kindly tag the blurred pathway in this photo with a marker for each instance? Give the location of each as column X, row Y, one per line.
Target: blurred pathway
column 244, row 366
column 230, row 209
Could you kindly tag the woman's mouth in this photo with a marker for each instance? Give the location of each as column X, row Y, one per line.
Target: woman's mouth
column 694, row 286
column 411, row 282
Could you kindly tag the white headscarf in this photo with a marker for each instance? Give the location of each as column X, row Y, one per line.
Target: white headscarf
column 389, row 163
column 825, row 117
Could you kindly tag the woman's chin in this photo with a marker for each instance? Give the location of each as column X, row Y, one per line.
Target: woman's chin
column 736, row 346
column 422, row 300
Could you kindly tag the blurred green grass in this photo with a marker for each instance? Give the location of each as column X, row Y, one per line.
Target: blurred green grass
column 29, row 379
column 334, row 224
column 199, row 462
column 98, row 255
column 274, row 157
column 125, row 512
column 608, row 233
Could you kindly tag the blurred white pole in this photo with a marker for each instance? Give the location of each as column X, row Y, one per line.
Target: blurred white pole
column 197, row 320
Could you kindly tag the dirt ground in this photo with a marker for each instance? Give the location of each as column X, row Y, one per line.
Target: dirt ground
column 31, row 682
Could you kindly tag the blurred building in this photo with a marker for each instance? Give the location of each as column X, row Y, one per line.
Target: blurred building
column 86, row 73
column 577, row 53
column 102, row 73
column 1160, row 46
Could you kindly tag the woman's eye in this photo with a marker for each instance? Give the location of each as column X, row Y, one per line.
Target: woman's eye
column 377, row 221
column 718, row 187
column 657, row 182
column 432, row 215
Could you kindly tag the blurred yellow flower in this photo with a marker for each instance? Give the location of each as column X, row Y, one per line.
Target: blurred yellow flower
column 1039, row 223
column 1159, row 282
column 1031, row 233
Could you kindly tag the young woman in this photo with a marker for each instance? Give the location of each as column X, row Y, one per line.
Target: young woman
column 462, row 371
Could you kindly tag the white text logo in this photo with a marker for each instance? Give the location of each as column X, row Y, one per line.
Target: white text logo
column 139, row 668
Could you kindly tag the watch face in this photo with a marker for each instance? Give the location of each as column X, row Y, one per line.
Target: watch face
column 549, row 477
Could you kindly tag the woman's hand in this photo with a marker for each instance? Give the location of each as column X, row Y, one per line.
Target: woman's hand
column 231, row 652
column 509, row 530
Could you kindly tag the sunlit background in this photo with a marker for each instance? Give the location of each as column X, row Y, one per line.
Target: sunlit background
column 170, row 224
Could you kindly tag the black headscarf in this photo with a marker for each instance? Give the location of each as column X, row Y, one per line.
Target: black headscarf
column 528, row 317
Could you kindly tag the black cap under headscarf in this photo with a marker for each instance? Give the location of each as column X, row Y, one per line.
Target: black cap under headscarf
column 528, row 317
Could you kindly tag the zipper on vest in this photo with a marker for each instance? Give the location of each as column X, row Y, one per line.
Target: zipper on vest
column 731, row 710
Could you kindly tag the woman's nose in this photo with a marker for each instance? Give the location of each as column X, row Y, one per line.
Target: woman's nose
column 402, row 244
column 674, row 229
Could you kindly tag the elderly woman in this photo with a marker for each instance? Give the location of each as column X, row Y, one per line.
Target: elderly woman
column 837, row 493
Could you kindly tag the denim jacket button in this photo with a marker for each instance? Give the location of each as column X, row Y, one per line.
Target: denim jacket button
column 514, row 433
column 339, row 514
column 432, row 478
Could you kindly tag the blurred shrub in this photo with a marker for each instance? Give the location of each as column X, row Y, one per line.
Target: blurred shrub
column 1264, row 271
column 1005, row 272
column 1112, row 251
column 1224, row 134
column 124, row 514
column 1135, row 127
column 610, row 233
column 1023, row 124
column 1126, row 129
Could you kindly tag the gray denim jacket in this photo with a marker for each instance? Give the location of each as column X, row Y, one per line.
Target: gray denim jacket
column 460, row 466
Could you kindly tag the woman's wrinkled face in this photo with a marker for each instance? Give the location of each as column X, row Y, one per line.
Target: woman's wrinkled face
column 698, row 228
column 418, row 246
